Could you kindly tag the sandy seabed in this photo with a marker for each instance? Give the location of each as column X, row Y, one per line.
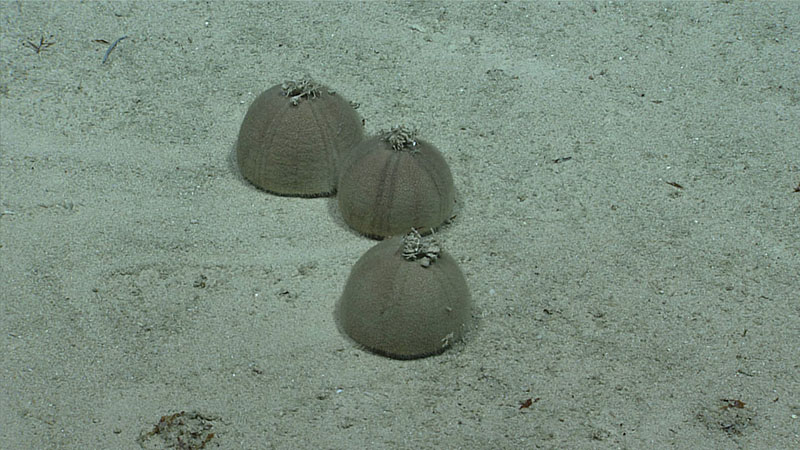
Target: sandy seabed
column 628, row 222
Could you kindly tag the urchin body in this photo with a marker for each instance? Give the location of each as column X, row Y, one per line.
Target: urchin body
column 293, row 137
column 405, row 300
column 394, row 182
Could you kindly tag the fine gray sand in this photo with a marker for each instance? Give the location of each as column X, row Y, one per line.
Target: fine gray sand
column 627, row 221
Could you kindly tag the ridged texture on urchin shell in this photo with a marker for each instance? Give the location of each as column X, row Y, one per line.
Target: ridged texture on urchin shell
column 292, row 139
column 385, row 192
column 404, row 308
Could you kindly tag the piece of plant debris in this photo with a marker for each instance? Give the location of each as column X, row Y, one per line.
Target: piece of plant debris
column 41, row 46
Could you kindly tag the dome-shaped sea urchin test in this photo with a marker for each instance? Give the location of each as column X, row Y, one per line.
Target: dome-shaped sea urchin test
column 393, row 182
column 405, row 298
column 293, row 137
